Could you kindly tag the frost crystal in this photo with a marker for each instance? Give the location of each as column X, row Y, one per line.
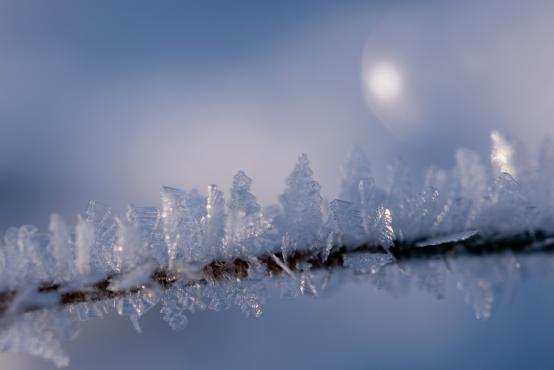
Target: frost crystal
column 39, row 333
column 355, row 169
column 367, row 263
column 301, row 203
column 198, row 252
column 383, row 232
column 509, row 156
column 63, row 249
column 84, row 243
column 506, row 208
column 214, row 222
column 102, row 221
column 181, row 227
column 502, row 155
column 345, row 220
column 173, row 313
column 470, row 175
column 147, row 222
column 452, row 238
column 245, row 221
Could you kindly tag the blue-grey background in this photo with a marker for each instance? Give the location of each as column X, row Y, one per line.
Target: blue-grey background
column 109, row 100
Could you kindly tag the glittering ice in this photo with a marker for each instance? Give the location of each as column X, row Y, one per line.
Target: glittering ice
column 201, row 252
column 301, row 202
column 366, row 263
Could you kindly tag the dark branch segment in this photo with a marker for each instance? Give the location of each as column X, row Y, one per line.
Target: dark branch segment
column 162, row 278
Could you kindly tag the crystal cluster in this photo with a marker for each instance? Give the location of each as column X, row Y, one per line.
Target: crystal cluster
column 192, row 231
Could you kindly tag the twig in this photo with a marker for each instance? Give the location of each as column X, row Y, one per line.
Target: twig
column 163, row 278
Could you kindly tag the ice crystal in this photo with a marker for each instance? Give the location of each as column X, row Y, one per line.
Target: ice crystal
column 102, row 221
column 63, row 248
column 198, row 252
column 214, row 222
column 382, row 229
column 502, row 155
column 451, row 238
column 245, row 221
column 301, row 202
column 39, row 333
column 355, row 170
column 181, row 226
column 172, row 311
column 346, row 221
column 84, row 243
column 471, row 176
column 366, row 263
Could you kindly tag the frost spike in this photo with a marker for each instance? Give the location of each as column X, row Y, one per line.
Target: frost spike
column 84, row 242
column 471, row 175
column 301, row 204
column 356, row 168
column 182, row 230
column 62, row 247
column 245, row 220
column 346, row 221
column 214, row 222
column 101, row 254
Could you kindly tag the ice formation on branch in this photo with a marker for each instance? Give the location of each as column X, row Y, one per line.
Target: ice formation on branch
column 301, row 202
column 200, row 252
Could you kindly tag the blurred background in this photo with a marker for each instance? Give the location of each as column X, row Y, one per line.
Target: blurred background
column 110, row 100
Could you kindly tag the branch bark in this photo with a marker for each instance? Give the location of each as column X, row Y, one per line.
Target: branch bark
column 163, row 278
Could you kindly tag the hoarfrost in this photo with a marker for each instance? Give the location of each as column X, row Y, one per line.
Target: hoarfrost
column 449, row 239
column 39, row 333
column 198, row 252
column 214, row 222
column 355, row 169
column 301, row 202
column 346, row 221
column 245, row 221
column 367, row 263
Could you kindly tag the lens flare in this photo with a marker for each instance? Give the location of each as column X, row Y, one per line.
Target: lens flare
column 385, row 82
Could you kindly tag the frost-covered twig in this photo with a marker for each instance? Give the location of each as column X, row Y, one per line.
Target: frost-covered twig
column 150, row 276
column 199, row 252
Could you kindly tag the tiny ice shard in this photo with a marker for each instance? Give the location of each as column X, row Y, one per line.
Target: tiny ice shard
column 173, row 312
column 470, row 175
column 502, row 155
column 366, row 262
column 62, row 247
column 355, row 169
column 100, row 216
column 383, row 233
column 506, row 208
column 147, row 223
column 448, row 239
column 84, row 243
column 39, row 333
column 345, row 220
column 214, row 222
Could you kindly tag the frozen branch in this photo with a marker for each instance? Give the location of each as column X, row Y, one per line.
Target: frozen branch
column 110, row 287
column 200, row 252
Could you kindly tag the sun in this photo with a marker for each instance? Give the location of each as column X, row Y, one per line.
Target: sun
column 385, row 82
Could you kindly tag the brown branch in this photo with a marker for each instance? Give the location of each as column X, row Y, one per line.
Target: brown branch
column 215, row 271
